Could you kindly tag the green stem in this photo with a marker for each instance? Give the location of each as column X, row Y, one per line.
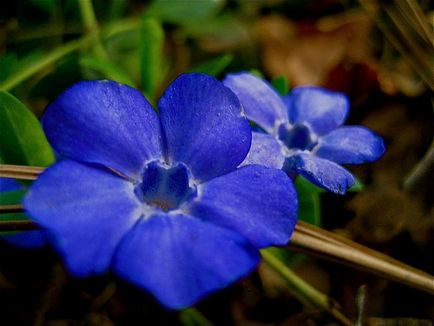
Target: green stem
column 58, row 53
column 91, row 25
column 302, row 290
column 192, row 316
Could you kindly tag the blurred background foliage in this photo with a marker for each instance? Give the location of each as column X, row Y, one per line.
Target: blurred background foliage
column 380, row 53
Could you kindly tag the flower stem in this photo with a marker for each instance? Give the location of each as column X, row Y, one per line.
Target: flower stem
column 91, row 25
column 192, row 316
column 302, row 290
column 58, row 53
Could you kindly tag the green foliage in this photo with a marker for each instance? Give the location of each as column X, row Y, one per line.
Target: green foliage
column 45, row 5
column 22, row 140
column 281, row 85
column 107, row 69
column 215, row 66
column 151, row 54
column 185, row 12
column 309, row 204
column 8, row 198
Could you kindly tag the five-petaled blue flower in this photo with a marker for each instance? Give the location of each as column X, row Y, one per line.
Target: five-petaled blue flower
column 159, row 198
column 305, row 136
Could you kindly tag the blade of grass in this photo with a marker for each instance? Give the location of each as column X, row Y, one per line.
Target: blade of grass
column 302, row 290
column 111, row 30
column 425, row 75
column 420, row 18
column 413, row 20
column 91, row 25
column 417, row 51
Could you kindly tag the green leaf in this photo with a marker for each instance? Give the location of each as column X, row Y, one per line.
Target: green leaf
column 309, row 210
column 281, row 85
column 185, row 12
column 309, row 204
column 215, row 66
column 8, row 198
column 151, row 54
column 193, row 317
column 11, row 197
column 357, row 186
column 107, row 69
column 46, row 5
column 8, row 62
column 22, row 140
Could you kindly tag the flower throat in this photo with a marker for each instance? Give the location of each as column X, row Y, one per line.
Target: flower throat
column 165, row 188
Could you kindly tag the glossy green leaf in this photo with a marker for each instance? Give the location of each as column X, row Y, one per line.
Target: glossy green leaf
column 185, row 12
column 107, row 69
column 281, row 85
column 22, row 140
column 151, row 54
column 215, row 66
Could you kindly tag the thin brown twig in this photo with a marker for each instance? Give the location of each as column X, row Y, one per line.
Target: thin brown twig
column 14, row 208
column 307, row 239
column 425, row 75
column 418, row 52
column 327, row 245
column 332, row 247
column 420, row 18
column 418, row 25
column 22, row 225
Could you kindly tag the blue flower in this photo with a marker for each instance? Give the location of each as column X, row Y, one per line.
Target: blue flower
column 304, row 132
column 159, row 198
column 11, row 193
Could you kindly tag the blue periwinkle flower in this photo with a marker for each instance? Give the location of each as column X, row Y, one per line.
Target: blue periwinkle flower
column 159, row 198
column 304, row 132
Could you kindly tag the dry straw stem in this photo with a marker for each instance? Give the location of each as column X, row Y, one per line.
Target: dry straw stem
column 324, row 244
column 400, row 35
column 306, row 238
column 20, row 171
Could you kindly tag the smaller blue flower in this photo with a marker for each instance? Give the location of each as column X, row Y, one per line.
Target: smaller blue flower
column 304, row 132
column 10, row 193
column 159, row 198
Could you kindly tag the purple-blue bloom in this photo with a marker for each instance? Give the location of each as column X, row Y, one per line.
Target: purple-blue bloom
column 304, row 132
column 159, row 198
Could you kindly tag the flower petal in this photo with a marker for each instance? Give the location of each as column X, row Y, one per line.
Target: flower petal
column 350, row 145
column 106, row 123
column 88, row 210
column 27, row 239
column 260, row 101
column 265, row 150
column 323, row 110
column 258, row 202
column 323, row 173
column 203, row 125
column 180, row 259
column 7, row 184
